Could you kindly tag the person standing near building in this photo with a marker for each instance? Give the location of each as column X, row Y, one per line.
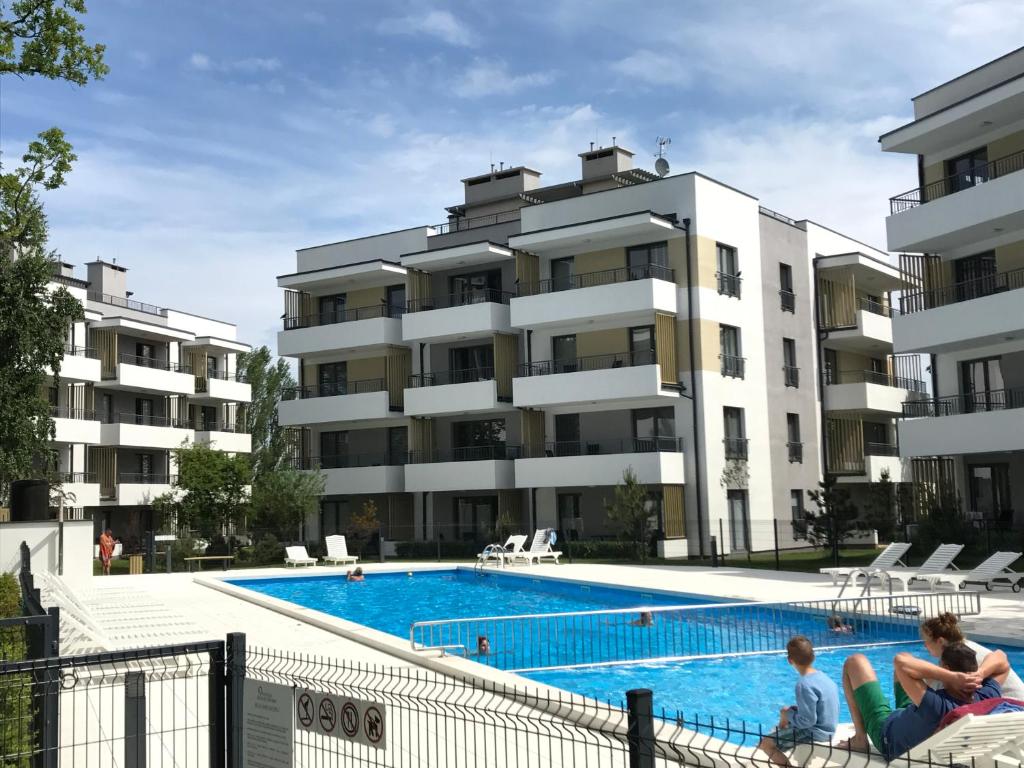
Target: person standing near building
column 106, row 550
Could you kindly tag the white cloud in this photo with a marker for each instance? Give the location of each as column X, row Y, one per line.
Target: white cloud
column 486, row 78
column 438, row 24
column 254, row 65
column 199, row 61
column 655, row 68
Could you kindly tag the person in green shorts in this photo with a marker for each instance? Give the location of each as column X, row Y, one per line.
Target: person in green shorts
column 918, row 709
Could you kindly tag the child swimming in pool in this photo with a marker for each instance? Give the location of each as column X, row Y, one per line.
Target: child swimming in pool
column 356, row 575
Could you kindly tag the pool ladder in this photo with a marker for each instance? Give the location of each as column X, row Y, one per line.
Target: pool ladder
column 495, row 552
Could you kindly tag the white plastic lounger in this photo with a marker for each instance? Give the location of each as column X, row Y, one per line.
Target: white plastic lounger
column 940, row 561
column 337, row 551
column 888, row 558
column 540, row 548
column 993, row 572
column 298, row 556
column 502, row 553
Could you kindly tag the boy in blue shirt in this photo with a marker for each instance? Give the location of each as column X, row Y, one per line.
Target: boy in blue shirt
column 919, row 708
column 816, row 713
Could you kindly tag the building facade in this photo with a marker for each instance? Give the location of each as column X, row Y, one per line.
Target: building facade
column 137, row 381
column 502, row 370
column 962, row 232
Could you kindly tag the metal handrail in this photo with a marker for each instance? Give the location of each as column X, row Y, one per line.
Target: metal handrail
column 461, row 224
column 735, row 447
column 77, row 477
column 71, row 349
column 588, row 363
column 733, row 365
column 791, row 375
column 464, row 299
column 974, row 402
column 956, row 182
column 147, row 420
column 875, row 307
column 598, row 278
column 239, row 376
column 796, row 452
column 495, row 452
column 729, row 285
column 237, row 427
column 876, row 377
column 66, row 412
column 152, row 478
column 457, row 376
column 979, row 288
column 349, row 461
column 333, row 390
column 348, row 315
column 126, row 303
column 605, row 447
column 651, row 632
column 788, row 300
column 151, row 362
column 881, row 449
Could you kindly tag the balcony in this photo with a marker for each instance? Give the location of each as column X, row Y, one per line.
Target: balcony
column 729, row 285
column 140, row 488
column 787, row 301
column 355, row 328
column 796, row 452
column 735, row 448
column 973, row 313
column 456, row 231
column 358, row 474
column 876, row 391
column 231, row 437
column 867, row 328
column 878, row 459
column 656, row 461
column 222, row 386
column 482, row 312
column 471, row 468
column 980, row 422
column 598, row 378
column 791, row 376
column 364, row 400
column 82, row 489
column 623, row 294
column 959, row 210
column 470, row 390
column 80, row 364
column 134, row 430
column 546, row 232
column 733, row 366
column 147, row 374
column 75, row 425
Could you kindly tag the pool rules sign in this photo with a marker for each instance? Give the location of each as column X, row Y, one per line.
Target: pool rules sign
column 345, row 718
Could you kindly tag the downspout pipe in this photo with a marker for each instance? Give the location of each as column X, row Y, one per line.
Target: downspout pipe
column 694, row 396
column 820, row 335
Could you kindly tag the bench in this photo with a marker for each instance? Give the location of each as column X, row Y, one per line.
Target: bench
column 226, row 560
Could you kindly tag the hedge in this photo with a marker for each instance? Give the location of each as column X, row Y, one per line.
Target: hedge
column 16, row 735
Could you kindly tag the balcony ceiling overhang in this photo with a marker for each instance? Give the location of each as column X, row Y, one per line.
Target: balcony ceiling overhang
column 868, row 272
column 217, row 345
column 142, row 330
column 614, row 232
column 964, row 121
column 370, row 274
column 470, row 254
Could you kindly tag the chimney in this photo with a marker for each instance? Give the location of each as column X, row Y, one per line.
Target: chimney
column 603, row 162
column 107, row 278
column 504, row 182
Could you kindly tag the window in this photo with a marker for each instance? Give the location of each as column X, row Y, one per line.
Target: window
column 798, row 514
column 876, row 440
column 145, row 463
column 975, row 276
column 478, row 440
column 790, row 372
column 570, row 515
column 207, row 418
column 567, row 434
column 735, row 433
column 728, row 271
column 396, row 300
column 654, row 429
column 786, row 294
column 475, row 516
column 649, row 260
column 641, row 345
column 562, row 271
column 332, row 378
column 468, row 364
column 981, row 384
column 739, row 520
column 731, row 351
column 333, row 450
column 476, row 287
column 143, row 410
column 145, row 354
column 398, row 445
column 563, row 353
column 990, row 491
column 967, row 169
column 332, row 308
column 107, row 408
column 211, row 367
column 793, row 441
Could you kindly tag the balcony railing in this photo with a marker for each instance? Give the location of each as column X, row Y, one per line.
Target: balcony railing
column 77, row 477
column 65, row 412
column 202, row 381
column 333, row 390
column 496, row 452
column 151, row 362
column 589, row 363
column 729, row 285
column 735, row 447
column 875, row 377
column 333, row 317
column 974, row 402
column 957, row 182
column 466, row 298
column 349, row 461
column 458, row 376
column 71, row 349
column 796, row 452
column 202, row 425
column 788, row 300
column 147, row 420
column 593, row 279
column 125, row 303
column 1001, row 282
column 607, row 447
column 732, row 365
column 881, row 449
column 146, row 478
column 791, row 375
column 874, row 307
column 488, row 220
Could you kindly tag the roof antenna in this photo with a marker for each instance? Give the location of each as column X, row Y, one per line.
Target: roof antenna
column 661, row 166
column 591, row 146
column 501, row 167
column 613, row 141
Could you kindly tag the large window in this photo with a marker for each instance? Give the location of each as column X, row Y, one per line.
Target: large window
column 975, row 276
column 728, row 271
column 211, row 367
column 731, row 351
column 790, row 371
column 735, row 433
column 398, row 445
column 332, row 308
column 396, row 300
column 567, row 434
column 570, row 515
column 786, row 294
column 990, row 491
column 476, row 287
column 794, row 442
column 563, row 353
column 475, row 517
column 562, row 272
column 797, row 513
column 478, row 440
column 645, row 261
column 469, row 364
column 641, row 345
column 333, row 449
column 332, row 378
column 968, row 169
column 739, row 520
column 143, row 410
column 981, row 383
column 654, row 429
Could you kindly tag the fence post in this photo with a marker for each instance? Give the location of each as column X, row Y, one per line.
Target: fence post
column 217, row 702
column 988, row 539
column 775, row 530
column 721, row 539
column 135, row 719
column 234, row 683
column 380, row 543
column 714, row 551
column 640, row 731
column 50, row 684
column 150, row 551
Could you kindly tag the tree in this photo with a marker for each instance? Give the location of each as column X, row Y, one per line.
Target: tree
column 629, row 512
column 283, row 500
column 833, row 518
column 210, row 491
column 269, row 381
column 363, row 525
column 880, row 513
column 44, row 37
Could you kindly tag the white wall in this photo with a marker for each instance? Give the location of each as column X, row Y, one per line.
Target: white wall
column 388, row 246
column 42, row 539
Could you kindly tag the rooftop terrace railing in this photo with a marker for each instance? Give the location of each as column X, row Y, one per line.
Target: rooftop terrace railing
column 332, row 317
column 957, row 182
column 601, row 277
column 125, row 303
column 649, row 632
column 1000, row 282
column 487, row 220
column 974, row 402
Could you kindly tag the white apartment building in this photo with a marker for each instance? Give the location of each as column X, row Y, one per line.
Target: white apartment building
column 964, row 229
column 136, row 382
column 504, row 368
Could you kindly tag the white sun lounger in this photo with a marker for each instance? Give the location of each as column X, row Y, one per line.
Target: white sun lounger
column 995, row 571
column 940, row 561
column 539, row 549
column 888, row 558
column 337, row 551
column 501, row 553
column 298, row 556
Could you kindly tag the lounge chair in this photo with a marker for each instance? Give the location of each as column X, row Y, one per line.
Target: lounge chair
column 298, row 556
column 887, row 559
column 540, row 548
column 995, row 571
column 940, row 561
column 500, row 553
column 337, row 551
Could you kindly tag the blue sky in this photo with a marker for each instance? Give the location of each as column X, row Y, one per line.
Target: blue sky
column 231, row 132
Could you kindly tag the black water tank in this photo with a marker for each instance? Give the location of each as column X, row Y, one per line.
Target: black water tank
column 30, row 500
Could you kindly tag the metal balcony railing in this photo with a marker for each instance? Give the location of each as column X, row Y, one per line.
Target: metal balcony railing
column 606, row 447
column 125, row 303
column 77, row 477
column 729, row 285
column 152, row 362
column 796, row 452
column 589, row 363
column 488, row 220
column 463, row 299
column 495, row 452
column 65, row 412
column 202, row 381
column 332, row 317
column 593, row 279
column 733, row 365
column 146, row 478
column 875, row 377
column 974, row 402
column 791, row 375
column 735, row 447
column 333, row 389
column 147, row 420
column 788, row 301
column 875, row 307
column 70, row 349
column 459, row 376
column 202, row 425
column 957, row 182
column 1000, row 282
column 881, row 449
column 349, row 461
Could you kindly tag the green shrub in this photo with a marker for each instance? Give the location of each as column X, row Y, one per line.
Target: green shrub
column 427, row 550
column 16, row 734
column 599, row 550
column 268, row 551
